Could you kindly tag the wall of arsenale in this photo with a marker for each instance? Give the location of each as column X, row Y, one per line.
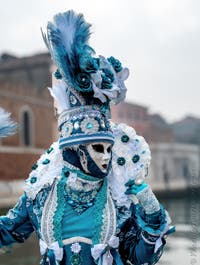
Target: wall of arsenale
column 24, row 93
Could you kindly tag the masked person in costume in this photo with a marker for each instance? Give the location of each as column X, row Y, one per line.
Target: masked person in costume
column 86, row 197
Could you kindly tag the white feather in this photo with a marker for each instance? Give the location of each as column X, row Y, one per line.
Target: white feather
column 60, row 93
column 7, row 126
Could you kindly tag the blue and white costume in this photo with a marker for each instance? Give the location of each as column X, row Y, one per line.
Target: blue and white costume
column 81, row 215
column 112, row 217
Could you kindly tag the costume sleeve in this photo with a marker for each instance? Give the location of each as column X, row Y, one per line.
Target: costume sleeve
column 15, row 226
column 142, row 237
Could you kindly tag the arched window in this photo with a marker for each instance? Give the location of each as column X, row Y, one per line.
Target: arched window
column 26, row 126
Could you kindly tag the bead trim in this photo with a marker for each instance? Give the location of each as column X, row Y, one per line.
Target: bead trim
column 80, row 193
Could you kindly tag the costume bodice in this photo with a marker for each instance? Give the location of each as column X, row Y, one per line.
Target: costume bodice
column 77, row 225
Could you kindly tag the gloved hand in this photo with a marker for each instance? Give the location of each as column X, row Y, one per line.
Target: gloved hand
column 133, row 188
column 145, row 196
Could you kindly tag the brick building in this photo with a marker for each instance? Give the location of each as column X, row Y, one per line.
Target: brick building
column 152, row 127
column 24, row 93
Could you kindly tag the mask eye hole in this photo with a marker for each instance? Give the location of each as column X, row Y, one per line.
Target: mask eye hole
column 109, row 149
column 98, row 148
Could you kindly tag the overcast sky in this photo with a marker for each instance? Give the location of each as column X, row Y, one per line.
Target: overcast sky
column 159, row 40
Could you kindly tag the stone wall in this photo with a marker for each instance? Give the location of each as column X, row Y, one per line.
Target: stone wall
column 174, row 166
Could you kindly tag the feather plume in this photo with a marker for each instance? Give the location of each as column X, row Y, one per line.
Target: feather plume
column 67, row 40
column 60, row 93
column 7, row 126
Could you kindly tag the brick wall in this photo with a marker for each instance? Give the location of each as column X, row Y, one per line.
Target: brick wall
column 16, row 165
column 23, row 87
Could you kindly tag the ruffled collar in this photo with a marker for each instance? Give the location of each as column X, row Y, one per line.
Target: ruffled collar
column 80, row 173
column 48, row 168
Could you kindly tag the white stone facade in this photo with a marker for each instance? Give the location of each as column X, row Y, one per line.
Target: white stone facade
column 174, row 166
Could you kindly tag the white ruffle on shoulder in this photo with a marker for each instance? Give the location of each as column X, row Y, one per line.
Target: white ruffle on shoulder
column 44, row 174
column 134, row 147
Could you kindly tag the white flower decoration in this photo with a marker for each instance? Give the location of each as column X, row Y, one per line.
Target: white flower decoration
column 76, row 247
column 89, row 125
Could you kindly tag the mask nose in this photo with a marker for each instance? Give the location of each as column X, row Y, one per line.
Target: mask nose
column 106, row 156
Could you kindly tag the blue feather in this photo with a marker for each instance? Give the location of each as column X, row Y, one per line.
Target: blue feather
column 67, row 41
column 7, row 126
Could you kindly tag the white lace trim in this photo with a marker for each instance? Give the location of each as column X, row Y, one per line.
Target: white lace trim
column 109, row 220
column 47, row 225
column 79, row 184
column 148, row 201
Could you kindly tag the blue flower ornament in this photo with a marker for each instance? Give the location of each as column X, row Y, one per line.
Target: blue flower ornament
column 108, row 81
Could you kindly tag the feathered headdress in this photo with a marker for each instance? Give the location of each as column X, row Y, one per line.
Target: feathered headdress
column 85, row 84
column 7, row 126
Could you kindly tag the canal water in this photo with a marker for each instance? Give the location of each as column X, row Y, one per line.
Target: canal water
column 183, row 247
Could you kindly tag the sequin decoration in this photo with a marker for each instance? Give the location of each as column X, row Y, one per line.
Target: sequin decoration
column 89, row 125
column 34, row 166
column 49, row 150
column 76, row 259
column 135, row 158
column 67, row 129
column 121, row 161
column 124, row 138
column 81, row 194
column 33, row 180
column 73, row 100
column 46, row 161
column 80, row 200
column 76, row 125
column 103, row 124
column 108, row 125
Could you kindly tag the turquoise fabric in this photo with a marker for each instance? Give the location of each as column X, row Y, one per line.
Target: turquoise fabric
column 22, row 221
column 77, row 225
column 132, row 188
column 17, row 226
column 154, row 223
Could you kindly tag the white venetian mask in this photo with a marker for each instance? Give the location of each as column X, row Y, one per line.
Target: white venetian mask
column 100, row 154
